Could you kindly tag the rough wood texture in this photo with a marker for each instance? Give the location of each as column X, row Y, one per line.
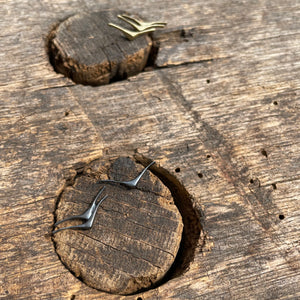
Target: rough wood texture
column 84, row 48
column 135, row 237
column 221, row 116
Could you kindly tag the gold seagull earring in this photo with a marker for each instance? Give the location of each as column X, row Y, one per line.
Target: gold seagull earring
column 141, row 26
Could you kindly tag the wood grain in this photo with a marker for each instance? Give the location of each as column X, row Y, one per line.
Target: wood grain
column 220, row 114
column 86, row 49
column 136, row 235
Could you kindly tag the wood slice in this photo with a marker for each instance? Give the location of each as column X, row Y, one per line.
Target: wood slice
column 136, row 234
column 87, row 50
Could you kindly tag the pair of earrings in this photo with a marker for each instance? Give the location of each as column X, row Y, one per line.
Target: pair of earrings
column 89, row 215
column 139, row 25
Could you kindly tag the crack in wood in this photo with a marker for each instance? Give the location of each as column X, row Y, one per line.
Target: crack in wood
column 84, row 48
column 133, row 233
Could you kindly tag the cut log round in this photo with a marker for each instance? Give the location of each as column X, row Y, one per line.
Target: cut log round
column 135, row 236
column 86, row 49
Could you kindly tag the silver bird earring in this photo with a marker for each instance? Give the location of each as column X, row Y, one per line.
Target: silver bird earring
column 131, row 183
column 88, row 215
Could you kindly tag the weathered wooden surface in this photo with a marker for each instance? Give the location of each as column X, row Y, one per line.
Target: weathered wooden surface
column 136, row 234
column 225, row 116
column 86, row 49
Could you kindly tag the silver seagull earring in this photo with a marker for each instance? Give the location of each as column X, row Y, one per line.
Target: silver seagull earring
column 131, row 183
column 88, row 215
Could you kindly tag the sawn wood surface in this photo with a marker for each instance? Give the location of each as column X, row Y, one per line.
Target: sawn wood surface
column 219, row 112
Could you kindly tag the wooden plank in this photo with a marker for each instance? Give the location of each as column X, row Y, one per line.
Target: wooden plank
column 235, row 29
column 227, row 129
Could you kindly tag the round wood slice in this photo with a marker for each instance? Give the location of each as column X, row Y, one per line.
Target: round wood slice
column 135, row 236
column 89, row 51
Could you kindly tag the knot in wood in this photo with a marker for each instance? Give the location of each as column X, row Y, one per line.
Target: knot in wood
column 86, row 49
column 136, row 234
